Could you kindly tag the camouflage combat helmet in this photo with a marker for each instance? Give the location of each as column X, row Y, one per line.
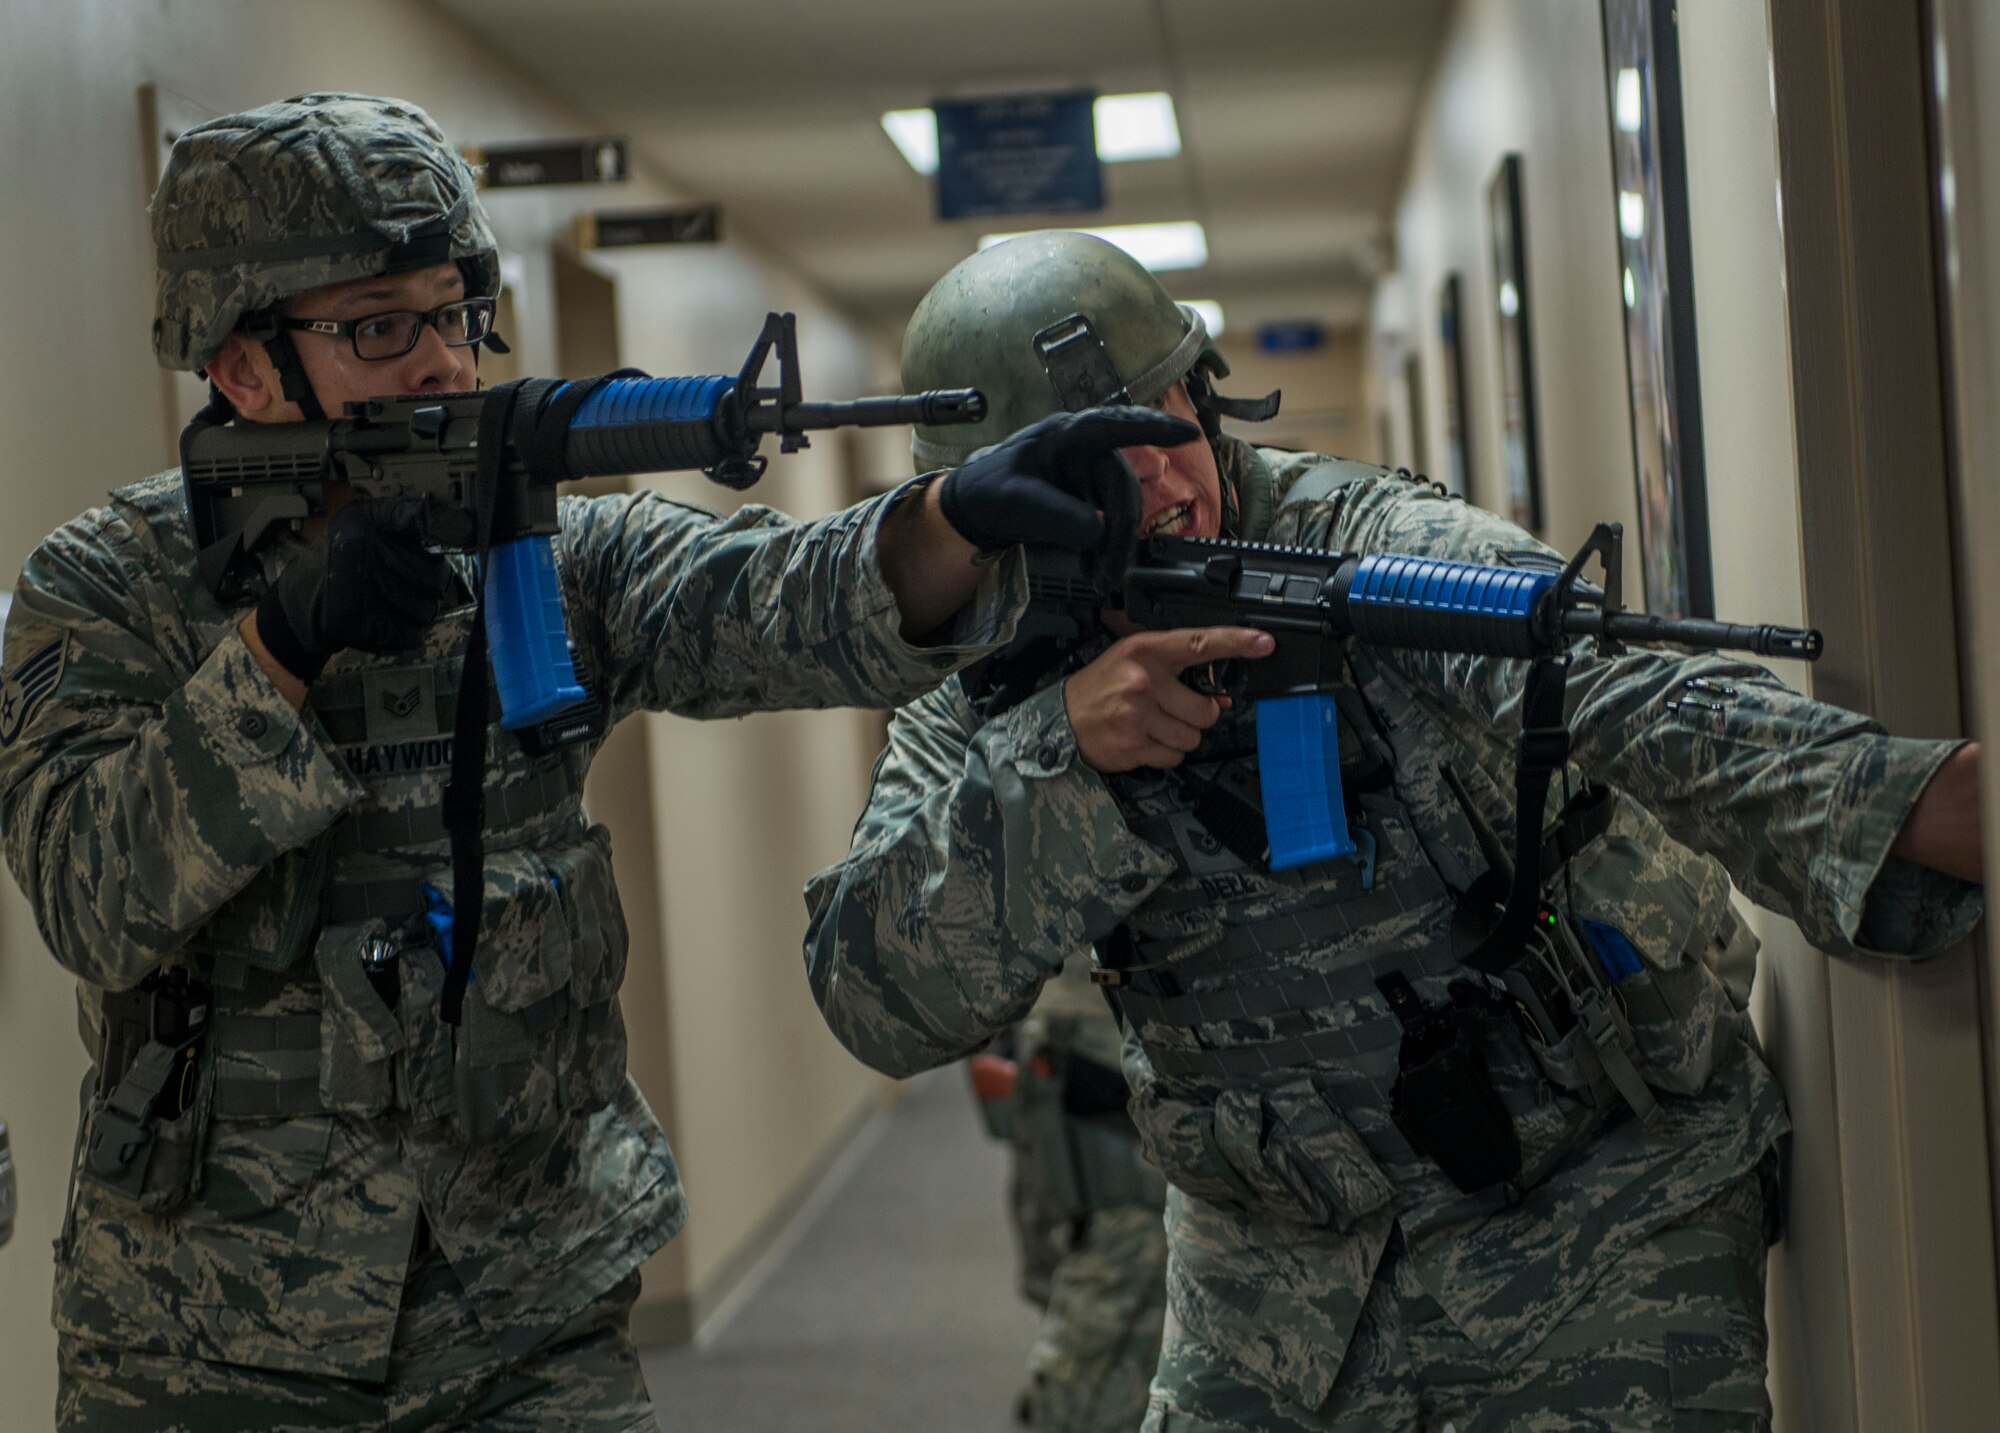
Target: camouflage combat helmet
column 1021, row 321
column 258, row 206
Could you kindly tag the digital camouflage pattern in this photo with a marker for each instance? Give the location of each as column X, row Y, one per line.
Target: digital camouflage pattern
column 1099, row 1339
column 445, row 1374
column 258, row 206
column 165, row 806
column 1103, row 1290
column 989, row 851
column 1669, row 1338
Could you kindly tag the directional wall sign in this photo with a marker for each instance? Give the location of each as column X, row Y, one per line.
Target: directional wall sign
column 622, row 229
column 1018, row 154
column 1296, row 335
column 568, row 161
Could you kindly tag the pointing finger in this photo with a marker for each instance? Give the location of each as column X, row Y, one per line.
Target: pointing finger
column 1185, row 647
column 1100, row 429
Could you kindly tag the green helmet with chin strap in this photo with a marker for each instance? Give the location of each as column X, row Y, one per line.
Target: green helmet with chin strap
column 1052, row 321
column 256, row 207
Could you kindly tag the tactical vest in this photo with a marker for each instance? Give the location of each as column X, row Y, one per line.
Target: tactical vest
column 324, row 972
column 1272, row 1049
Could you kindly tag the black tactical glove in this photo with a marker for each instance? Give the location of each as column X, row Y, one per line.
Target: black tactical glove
column 367, row 581
column 1045, row 483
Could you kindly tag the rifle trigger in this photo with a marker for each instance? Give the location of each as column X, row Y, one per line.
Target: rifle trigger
column 1226, row 678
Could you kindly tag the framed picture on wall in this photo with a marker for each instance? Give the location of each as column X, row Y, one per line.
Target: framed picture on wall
column 1649, row 180
column 1413, row 385
column 1457, row 475
column 1520, row 442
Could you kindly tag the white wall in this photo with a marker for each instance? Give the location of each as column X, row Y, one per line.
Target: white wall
column 751, row 807
column 1323, row 411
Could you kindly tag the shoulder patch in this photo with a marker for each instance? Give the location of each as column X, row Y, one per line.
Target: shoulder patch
column 30, row 684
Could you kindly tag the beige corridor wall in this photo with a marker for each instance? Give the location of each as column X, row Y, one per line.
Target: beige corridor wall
column 1530, row 77
column 762, row 1094
column 1746, row 386
column 1323, row 410
column 1524, row 78
column 750, row 806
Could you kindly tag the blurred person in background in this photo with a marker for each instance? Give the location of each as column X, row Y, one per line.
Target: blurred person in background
column 1085, row 1207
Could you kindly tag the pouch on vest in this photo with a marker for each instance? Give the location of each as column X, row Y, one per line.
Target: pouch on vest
column 1283, row 1152
column 592, row 1068
column 507, row 1079
column 147, row 1122
column 360, row 1035
column 544, row 1036
column 1670, row 909
column 1444, row 1101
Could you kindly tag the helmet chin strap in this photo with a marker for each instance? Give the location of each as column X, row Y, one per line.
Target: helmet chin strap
column 264, row 327
column 1213, row 407
column 1232, row 516
column 1210, row 408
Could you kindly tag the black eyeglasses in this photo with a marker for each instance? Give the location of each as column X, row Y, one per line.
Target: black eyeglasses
column 395, row 333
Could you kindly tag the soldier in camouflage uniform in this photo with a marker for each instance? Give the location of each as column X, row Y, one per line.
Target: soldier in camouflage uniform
column 301, row 1200
column 1083, row 1194
column 1324, row 1274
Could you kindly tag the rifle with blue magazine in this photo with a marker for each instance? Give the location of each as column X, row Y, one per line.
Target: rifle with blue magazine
column 1555, row 971
column 1312, row 601
column 485, row 466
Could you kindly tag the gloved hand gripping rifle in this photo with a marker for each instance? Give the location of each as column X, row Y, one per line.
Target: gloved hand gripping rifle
column 486, row 466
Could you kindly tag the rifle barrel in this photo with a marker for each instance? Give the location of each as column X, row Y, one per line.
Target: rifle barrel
column 936, row 406
column 1802, row 643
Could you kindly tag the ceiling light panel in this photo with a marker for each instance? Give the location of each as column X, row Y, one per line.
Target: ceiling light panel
column 914, row 133
column 1129, row 127
column 1137, row 126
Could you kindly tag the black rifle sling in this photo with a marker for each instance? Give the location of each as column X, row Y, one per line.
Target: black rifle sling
column 530, row 417
column 1544, row 750
column 465, row 792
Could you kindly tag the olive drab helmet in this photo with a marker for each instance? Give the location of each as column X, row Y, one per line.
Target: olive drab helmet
column 1052, row 321
column 256, row 207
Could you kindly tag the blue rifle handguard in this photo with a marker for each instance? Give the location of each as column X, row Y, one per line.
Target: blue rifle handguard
column 1445, row 606
column 648, row 425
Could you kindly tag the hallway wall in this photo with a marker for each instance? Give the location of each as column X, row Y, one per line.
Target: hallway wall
column 1531, row 78
column 1527, row 79
column 760, row 1096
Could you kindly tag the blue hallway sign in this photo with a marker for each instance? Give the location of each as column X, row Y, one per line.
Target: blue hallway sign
column 1018, row 154
column 1296, row 335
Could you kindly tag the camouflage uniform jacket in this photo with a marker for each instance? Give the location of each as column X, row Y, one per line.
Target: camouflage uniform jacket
column 989, row 851
column 162, row 804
